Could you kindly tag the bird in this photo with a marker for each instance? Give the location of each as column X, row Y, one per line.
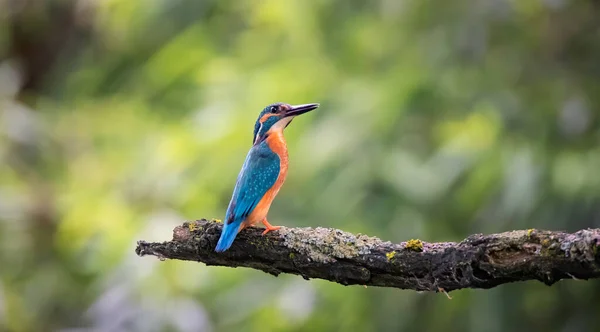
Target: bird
column 263, row 172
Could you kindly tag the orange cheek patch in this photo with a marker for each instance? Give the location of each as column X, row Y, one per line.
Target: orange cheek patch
column 265, row 117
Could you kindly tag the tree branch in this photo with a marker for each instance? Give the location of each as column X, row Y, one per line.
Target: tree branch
column 479, row 261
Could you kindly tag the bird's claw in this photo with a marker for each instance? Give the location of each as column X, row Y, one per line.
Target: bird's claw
column 272, row 228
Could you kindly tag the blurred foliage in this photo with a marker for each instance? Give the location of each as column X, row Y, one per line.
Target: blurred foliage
column 120, row 119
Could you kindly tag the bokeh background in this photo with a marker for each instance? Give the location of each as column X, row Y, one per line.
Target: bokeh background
column 120, row 119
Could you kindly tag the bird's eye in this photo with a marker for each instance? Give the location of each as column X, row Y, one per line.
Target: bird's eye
column 273, row 109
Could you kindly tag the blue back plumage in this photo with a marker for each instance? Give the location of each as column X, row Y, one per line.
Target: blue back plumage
column 258, row 175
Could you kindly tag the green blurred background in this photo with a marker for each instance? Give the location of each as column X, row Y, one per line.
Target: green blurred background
column 120, row 119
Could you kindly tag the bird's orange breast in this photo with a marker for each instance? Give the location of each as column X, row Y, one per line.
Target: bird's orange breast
column 277, row 144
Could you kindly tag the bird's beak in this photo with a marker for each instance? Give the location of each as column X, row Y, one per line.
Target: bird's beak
column 300, row 109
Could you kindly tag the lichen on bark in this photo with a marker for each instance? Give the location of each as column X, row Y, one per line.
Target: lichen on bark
column 479, row 261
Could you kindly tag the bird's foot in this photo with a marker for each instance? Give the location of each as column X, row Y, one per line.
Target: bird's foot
column 272, row 228
column 269, row 227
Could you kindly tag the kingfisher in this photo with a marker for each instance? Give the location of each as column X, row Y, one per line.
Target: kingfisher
column 262, row 174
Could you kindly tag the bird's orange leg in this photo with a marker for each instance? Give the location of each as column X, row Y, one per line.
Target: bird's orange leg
column 269, row 227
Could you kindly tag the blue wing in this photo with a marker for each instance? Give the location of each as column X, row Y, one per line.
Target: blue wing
column 258, row 175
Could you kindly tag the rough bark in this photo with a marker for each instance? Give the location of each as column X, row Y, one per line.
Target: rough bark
column 479, row 261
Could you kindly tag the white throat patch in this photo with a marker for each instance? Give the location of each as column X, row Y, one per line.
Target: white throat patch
column 278, row 126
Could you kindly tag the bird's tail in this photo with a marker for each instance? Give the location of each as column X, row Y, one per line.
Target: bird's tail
column 228, row 234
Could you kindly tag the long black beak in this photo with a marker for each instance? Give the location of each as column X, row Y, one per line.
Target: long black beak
column 300, row 109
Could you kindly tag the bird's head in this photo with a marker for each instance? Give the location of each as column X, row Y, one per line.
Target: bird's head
column 276, row 117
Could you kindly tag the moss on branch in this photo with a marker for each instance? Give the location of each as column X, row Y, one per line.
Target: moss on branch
column 479, row 261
